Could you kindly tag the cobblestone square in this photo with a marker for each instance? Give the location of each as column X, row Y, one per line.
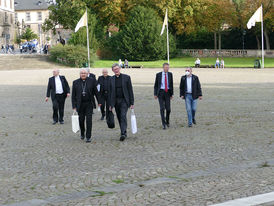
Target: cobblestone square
column 229, row 154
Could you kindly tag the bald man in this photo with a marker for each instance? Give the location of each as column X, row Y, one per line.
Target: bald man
column 58, row 90
column 103, row 81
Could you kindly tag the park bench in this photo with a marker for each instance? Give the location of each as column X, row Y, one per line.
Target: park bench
column 206, row 66
column 136, row 67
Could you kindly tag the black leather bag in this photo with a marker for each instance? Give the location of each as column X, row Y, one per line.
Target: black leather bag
column 110, row 120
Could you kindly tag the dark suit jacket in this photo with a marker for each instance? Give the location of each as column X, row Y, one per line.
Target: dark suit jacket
column 51, row 91
column 158, row 82
column 92, row 75
column 127, row 90
column 196, row 87
column 101, row 82
column 91, row 89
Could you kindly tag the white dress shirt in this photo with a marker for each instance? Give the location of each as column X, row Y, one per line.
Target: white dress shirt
column 58, row 85
column 189, row 84
column 163, row 80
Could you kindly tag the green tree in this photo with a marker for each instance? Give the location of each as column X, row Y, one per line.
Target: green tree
column 140, row 38
column 29, row 35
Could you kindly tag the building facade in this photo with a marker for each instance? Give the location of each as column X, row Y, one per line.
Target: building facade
column 32, row 14
column 7, row 22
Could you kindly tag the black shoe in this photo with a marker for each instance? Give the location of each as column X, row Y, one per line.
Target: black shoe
column 54, row 122
column 190, row 125
column 62, row 122
column 167, row 124
column 122, row 138
column 194, row 121
column 102, row 118
column 88, row 140
column 82, row 137
column 164, row 127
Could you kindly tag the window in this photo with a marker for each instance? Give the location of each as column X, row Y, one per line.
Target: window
column 11, row 19
column 28, row 16
column 16, row 17
column 39, row 16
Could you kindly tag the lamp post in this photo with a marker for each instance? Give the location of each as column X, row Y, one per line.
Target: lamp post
column 244, row 33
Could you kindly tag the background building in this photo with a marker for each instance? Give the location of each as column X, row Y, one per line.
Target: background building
column 32, row 14
column 7, row 23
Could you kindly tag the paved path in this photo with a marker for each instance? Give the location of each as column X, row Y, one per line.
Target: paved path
column 228, row 155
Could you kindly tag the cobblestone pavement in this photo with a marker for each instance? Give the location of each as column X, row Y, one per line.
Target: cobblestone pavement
column 229, row 154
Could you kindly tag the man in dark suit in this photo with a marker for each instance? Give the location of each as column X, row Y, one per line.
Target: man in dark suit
column 83, row 90
column 58, row 90
column 163, row 91
column 91, row 75
column 103, row 82
column 190, row 90
column 121, row 97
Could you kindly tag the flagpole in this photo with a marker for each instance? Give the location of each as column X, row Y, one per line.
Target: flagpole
column 167, row 38
column 262, row 39
column 88, row 40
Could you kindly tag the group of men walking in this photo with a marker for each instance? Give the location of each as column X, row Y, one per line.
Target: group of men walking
column 116, row 92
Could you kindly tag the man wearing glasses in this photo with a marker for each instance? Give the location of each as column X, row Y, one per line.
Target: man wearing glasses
column 190, row 91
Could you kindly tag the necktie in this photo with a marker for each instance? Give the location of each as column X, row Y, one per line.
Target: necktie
column 166, row 83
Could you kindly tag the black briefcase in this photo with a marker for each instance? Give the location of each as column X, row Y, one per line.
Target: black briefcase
column 110, row 120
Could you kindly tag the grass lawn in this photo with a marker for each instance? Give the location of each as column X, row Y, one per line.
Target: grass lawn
column 189, row 61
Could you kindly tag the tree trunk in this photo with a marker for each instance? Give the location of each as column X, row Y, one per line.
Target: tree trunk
column 258, row 42
column 220, row 41
column 266, row 39
column 215, row 41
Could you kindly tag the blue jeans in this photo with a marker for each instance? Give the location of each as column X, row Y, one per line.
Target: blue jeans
column 191, row 107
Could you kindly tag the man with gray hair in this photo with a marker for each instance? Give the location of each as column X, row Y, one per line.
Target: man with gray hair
column 103, row 82
column 58, row 90
column 120, row 97
column 190, row 91
column 83, row 90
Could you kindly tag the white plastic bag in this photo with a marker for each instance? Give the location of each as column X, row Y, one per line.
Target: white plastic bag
column 75, row 122
column 98, row 87
column 133, row 122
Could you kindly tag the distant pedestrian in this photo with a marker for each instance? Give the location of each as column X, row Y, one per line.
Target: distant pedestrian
column 190, row 91
column 121, row 63
column 217, row 64
column 3, row 49
column 222, row 63
column 21, row 48
column 126, row 63
column 197, row 63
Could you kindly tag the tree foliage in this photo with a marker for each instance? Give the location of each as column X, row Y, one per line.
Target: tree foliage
column 140, row 38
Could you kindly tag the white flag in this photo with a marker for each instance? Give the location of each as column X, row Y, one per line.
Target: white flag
column 83, row 22
column 164, row 24
column 257, row 17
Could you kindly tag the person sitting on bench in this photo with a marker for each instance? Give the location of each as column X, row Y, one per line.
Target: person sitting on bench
column 197, row 63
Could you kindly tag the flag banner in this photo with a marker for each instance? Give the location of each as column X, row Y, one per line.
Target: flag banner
column 164, row 24
column 257, row 17
column 83, row 22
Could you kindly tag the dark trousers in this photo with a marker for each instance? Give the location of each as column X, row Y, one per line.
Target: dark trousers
column 121, row 112
column 164, row 101
column 85, row 113
column 58, row 105
column 105, row 105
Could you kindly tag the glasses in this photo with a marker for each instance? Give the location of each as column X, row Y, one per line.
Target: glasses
column 187, row 70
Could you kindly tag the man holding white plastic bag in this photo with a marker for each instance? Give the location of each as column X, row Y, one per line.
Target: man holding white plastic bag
column 83, row 91
column 121, row 97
